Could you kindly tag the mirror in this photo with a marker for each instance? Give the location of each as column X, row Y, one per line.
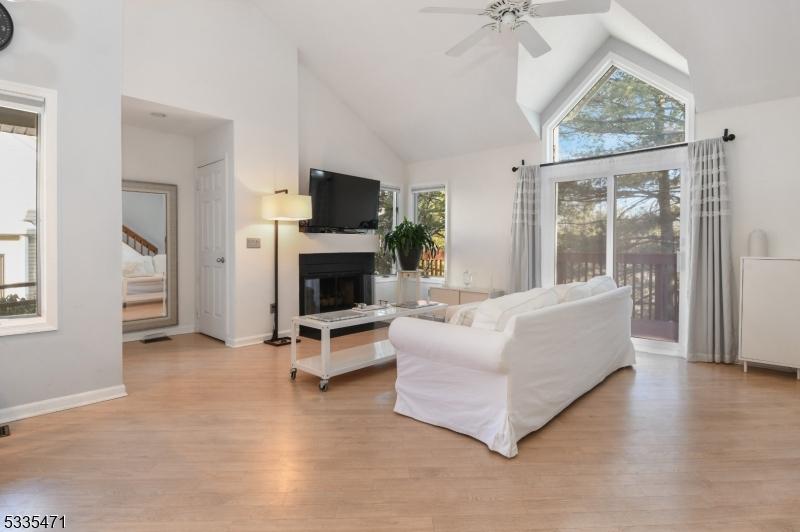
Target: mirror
column 149, row 256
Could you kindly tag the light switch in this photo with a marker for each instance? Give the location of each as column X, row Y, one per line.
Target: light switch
column 253, row 243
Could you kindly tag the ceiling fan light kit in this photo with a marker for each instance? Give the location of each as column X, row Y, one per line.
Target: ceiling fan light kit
column 514, row 15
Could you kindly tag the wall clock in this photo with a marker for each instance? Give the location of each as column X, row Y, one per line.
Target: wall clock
column 6, row 27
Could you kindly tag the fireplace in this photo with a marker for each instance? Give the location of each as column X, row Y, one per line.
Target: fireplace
column 335, row 281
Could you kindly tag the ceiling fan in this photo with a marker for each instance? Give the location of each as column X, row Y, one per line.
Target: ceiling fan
column 512, row 15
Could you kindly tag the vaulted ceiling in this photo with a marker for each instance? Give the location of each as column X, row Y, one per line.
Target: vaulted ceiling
column 386, row 61
column 739, row 51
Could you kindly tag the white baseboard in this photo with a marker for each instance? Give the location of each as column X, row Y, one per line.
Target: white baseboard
column 245, row 341
column 253, row 340
column 56, row 404
column 169, row 331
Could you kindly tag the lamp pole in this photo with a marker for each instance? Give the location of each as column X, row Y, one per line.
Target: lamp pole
column 276, row 340
column 277, row 207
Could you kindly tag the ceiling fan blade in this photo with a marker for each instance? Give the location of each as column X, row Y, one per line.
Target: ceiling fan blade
column 459, row 49
column 453, row 11
column 570, row 7
column 531, row 40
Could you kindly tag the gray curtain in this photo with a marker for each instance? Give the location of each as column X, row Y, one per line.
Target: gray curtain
column 711, row 335
column 526, row 231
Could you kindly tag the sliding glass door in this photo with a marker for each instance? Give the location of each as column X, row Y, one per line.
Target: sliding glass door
column 623, row 220
column 646, row 246
column 582, row 228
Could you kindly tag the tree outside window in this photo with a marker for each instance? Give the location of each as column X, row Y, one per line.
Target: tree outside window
column 387, row 220
column 430, row 207
column 620, row 113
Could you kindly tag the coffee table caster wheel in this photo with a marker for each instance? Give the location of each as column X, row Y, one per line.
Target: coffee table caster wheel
column 293, row 373
column 323, row 385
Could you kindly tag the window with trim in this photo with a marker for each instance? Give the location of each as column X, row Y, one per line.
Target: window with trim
column 430, row 210
column 620, row 113
column 28, row 295
column 388, row 209
column 619, row 212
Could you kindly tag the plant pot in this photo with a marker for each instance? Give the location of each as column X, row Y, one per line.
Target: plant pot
column 409, row 259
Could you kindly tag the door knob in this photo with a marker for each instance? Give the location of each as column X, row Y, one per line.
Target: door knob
column 221, row 260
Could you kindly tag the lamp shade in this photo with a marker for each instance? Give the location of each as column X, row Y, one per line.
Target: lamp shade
column 286, row 207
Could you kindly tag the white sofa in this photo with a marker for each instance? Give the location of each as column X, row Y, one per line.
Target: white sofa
column 143, row 277
column 499, row 386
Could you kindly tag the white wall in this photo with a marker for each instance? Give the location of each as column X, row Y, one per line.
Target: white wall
column 158, row 157
column 75, row 48
column 246, row 73
column 764, row 172
column 274, row 144
column 333, row 137
column 480, row 189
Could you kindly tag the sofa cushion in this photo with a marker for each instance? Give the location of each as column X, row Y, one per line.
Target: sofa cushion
column 464, row 314
column 494, row 314
column 602, row 284
column 141, row 267
column 572, row 292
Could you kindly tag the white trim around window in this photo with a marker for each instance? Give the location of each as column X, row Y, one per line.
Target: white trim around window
column 44, row 102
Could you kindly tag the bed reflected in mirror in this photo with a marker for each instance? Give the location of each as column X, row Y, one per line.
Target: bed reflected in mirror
column 149, row 256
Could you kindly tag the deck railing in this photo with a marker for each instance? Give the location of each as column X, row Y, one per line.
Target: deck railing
column 16, row 307
column 653, row 278
column 432, row 267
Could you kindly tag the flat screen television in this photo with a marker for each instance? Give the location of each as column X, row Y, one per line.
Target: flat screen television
column 342, row 203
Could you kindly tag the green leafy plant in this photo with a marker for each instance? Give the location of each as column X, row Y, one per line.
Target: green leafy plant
column 407, row 242
column 13, row 305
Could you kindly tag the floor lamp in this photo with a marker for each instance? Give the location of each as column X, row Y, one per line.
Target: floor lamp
column 283, row 207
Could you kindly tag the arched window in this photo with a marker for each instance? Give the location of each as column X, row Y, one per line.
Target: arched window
column 620, row 113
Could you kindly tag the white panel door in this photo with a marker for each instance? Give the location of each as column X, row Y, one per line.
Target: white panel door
column 212, row 245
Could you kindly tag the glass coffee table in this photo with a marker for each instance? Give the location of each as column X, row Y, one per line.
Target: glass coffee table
column 329, row 364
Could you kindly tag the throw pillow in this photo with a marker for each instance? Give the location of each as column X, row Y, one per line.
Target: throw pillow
column 601, row 285
column 543, row 298
column 577, row 293
column 571, row 291
column 494, row 314
column 464, row 315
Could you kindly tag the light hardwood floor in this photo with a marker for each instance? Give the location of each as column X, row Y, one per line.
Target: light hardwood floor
column 217, row 439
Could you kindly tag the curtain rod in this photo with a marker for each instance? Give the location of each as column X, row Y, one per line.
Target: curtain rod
column 726, row 136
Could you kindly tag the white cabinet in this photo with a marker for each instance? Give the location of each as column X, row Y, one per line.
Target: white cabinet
column 769, row 314
column 462, row 296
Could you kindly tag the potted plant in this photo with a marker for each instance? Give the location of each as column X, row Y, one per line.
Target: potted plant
column 407, row 242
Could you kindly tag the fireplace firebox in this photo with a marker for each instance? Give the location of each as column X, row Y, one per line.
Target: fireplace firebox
column 335, row 281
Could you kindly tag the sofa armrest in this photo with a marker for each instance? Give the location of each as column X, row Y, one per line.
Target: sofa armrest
column 464, row 347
